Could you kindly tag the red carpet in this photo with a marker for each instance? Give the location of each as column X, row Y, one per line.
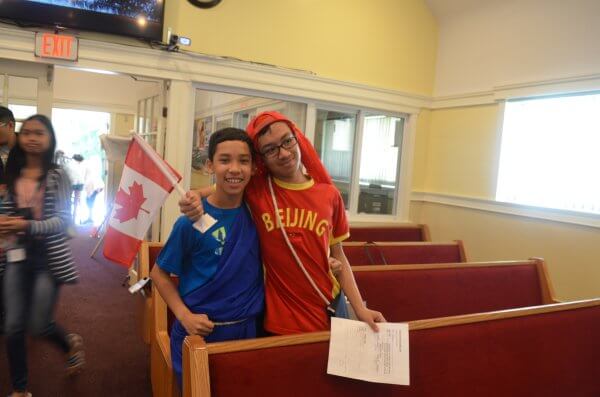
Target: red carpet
column 103, row 312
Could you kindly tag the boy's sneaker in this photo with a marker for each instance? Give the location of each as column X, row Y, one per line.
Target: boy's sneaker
column 76, row 355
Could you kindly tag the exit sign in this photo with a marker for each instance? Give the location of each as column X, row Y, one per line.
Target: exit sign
column 57, row 46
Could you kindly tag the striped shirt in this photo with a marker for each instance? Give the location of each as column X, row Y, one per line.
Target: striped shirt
column 53, row 225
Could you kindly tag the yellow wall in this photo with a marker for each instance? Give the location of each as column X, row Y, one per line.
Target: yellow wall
column 571, row 251
column 421, row 147
column 457, row 153
column 461, row 153
column 383, row 43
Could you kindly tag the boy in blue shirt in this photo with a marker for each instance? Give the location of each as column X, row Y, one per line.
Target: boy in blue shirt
column 220, row 294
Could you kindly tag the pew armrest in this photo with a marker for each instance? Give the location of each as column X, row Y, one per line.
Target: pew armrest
column 164, row 344
column 196, row 376
column 162, row 378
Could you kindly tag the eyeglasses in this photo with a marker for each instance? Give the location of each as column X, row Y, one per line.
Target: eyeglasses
column 287, row 143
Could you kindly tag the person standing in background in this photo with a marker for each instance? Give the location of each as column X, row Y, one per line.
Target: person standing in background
column 7, row 141
column 76, row 173
column 93, row 185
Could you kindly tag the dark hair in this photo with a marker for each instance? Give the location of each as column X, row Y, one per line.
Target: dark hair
column 17, row 158
column 228, row 134
column 263, row 131
column 6, row 115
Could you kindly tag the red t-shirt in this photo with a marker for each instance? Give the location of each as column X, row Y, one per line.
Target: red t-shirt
column 314, row 218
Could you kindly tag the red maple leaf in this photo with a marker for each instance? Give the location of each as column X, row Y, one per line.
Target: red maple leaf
column 131, row 203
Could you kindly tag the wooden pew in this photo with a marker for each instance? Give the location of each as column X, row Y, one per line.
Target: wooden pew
column 164, row 383
column 549, row 350
column 400, row 232
column 411, row 292
column 147, row 256
column 397, row 253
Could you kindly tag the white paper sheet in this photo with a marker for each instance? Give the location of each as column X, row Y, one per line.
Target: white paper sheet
column 355, row 351
column 204, row 223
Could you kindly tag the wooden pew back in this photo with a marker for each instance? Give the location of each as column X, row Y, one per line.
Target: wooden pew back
column 549, row 350
column 397, row 253
column 161, row 369
column 147, row 256
column 402, row 232
column 412, row 292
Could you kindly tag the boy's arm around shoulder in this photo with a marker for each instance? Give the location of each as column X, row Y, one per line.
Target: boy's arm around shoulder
column 191, row 204
column 194, row 324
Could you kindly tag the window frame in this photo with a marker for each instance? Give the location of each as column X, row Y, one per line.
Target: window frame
column 402, row 196
column 553, row 213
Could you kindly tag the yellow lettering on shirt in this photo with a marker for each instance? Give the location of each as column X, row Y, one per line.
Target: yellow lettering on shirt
column 268, row 222
column 321, row 227
column 311, row 219
column 280, row 218
column 295, row 222
column 299, row 218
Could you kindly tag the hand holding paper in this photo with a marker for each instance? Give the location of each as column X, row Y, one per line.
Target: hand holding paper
column 355, row 351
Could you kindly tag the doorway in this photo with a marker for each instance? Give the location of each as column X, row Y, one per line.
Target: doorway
column 83, row 105
column 78, row 150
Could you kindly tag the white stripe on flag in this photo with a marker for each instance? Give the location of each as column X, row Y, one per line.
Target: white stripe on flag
column 155, row 197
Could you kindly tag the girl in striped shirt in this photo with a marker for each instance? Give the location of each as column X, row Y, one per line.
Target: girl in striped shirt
column 36, row 259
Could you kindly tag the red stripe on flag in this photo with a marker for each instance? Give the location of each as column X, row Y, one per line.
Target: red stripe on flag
column 119, row 247
column 139, row 161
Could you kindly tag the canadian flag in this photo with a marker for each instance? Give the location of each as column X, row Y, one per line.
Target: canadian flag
column 145, row 184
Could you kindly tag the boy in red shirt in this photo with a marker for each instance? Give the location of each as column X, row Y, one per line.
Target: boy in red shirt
column 312, row 214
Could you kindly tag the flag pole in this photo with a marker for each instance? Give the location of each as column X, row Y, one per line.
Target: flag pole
column 159, row 163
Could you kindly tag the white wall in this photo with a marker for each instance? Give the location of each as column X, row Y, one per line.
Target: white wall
column 78, row 89
column 206, row 100
column 494, row 43
column 109, row 92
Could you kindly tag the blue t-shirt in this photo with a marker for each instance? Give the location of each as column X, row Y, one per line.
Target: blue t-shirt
column 194, row 256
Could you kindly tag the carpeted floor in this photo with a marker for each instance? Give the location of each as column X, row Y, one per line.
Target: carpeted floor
column 104, row 313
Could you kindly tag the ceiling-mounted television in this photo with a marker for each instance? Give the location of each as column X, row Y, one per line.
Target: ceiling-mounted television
column 135, row 18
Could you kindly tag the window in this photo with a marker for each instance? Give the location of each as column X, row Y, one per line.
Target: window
column 380, row 152
column 549, row 153
column 217, row 110
column 334, row 142
column 361, row 149
column 376, row 186
column 148, row 112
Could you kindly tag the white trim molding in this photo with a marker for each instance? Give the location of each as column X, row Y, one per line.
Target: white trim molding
column 558, row 86
column 225, row 74
column 487, row 205
column 17, row 44
column 463, row 100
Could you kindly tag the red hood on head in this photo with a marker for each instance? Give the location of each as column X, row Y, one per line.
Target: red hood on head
column 310, row 158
